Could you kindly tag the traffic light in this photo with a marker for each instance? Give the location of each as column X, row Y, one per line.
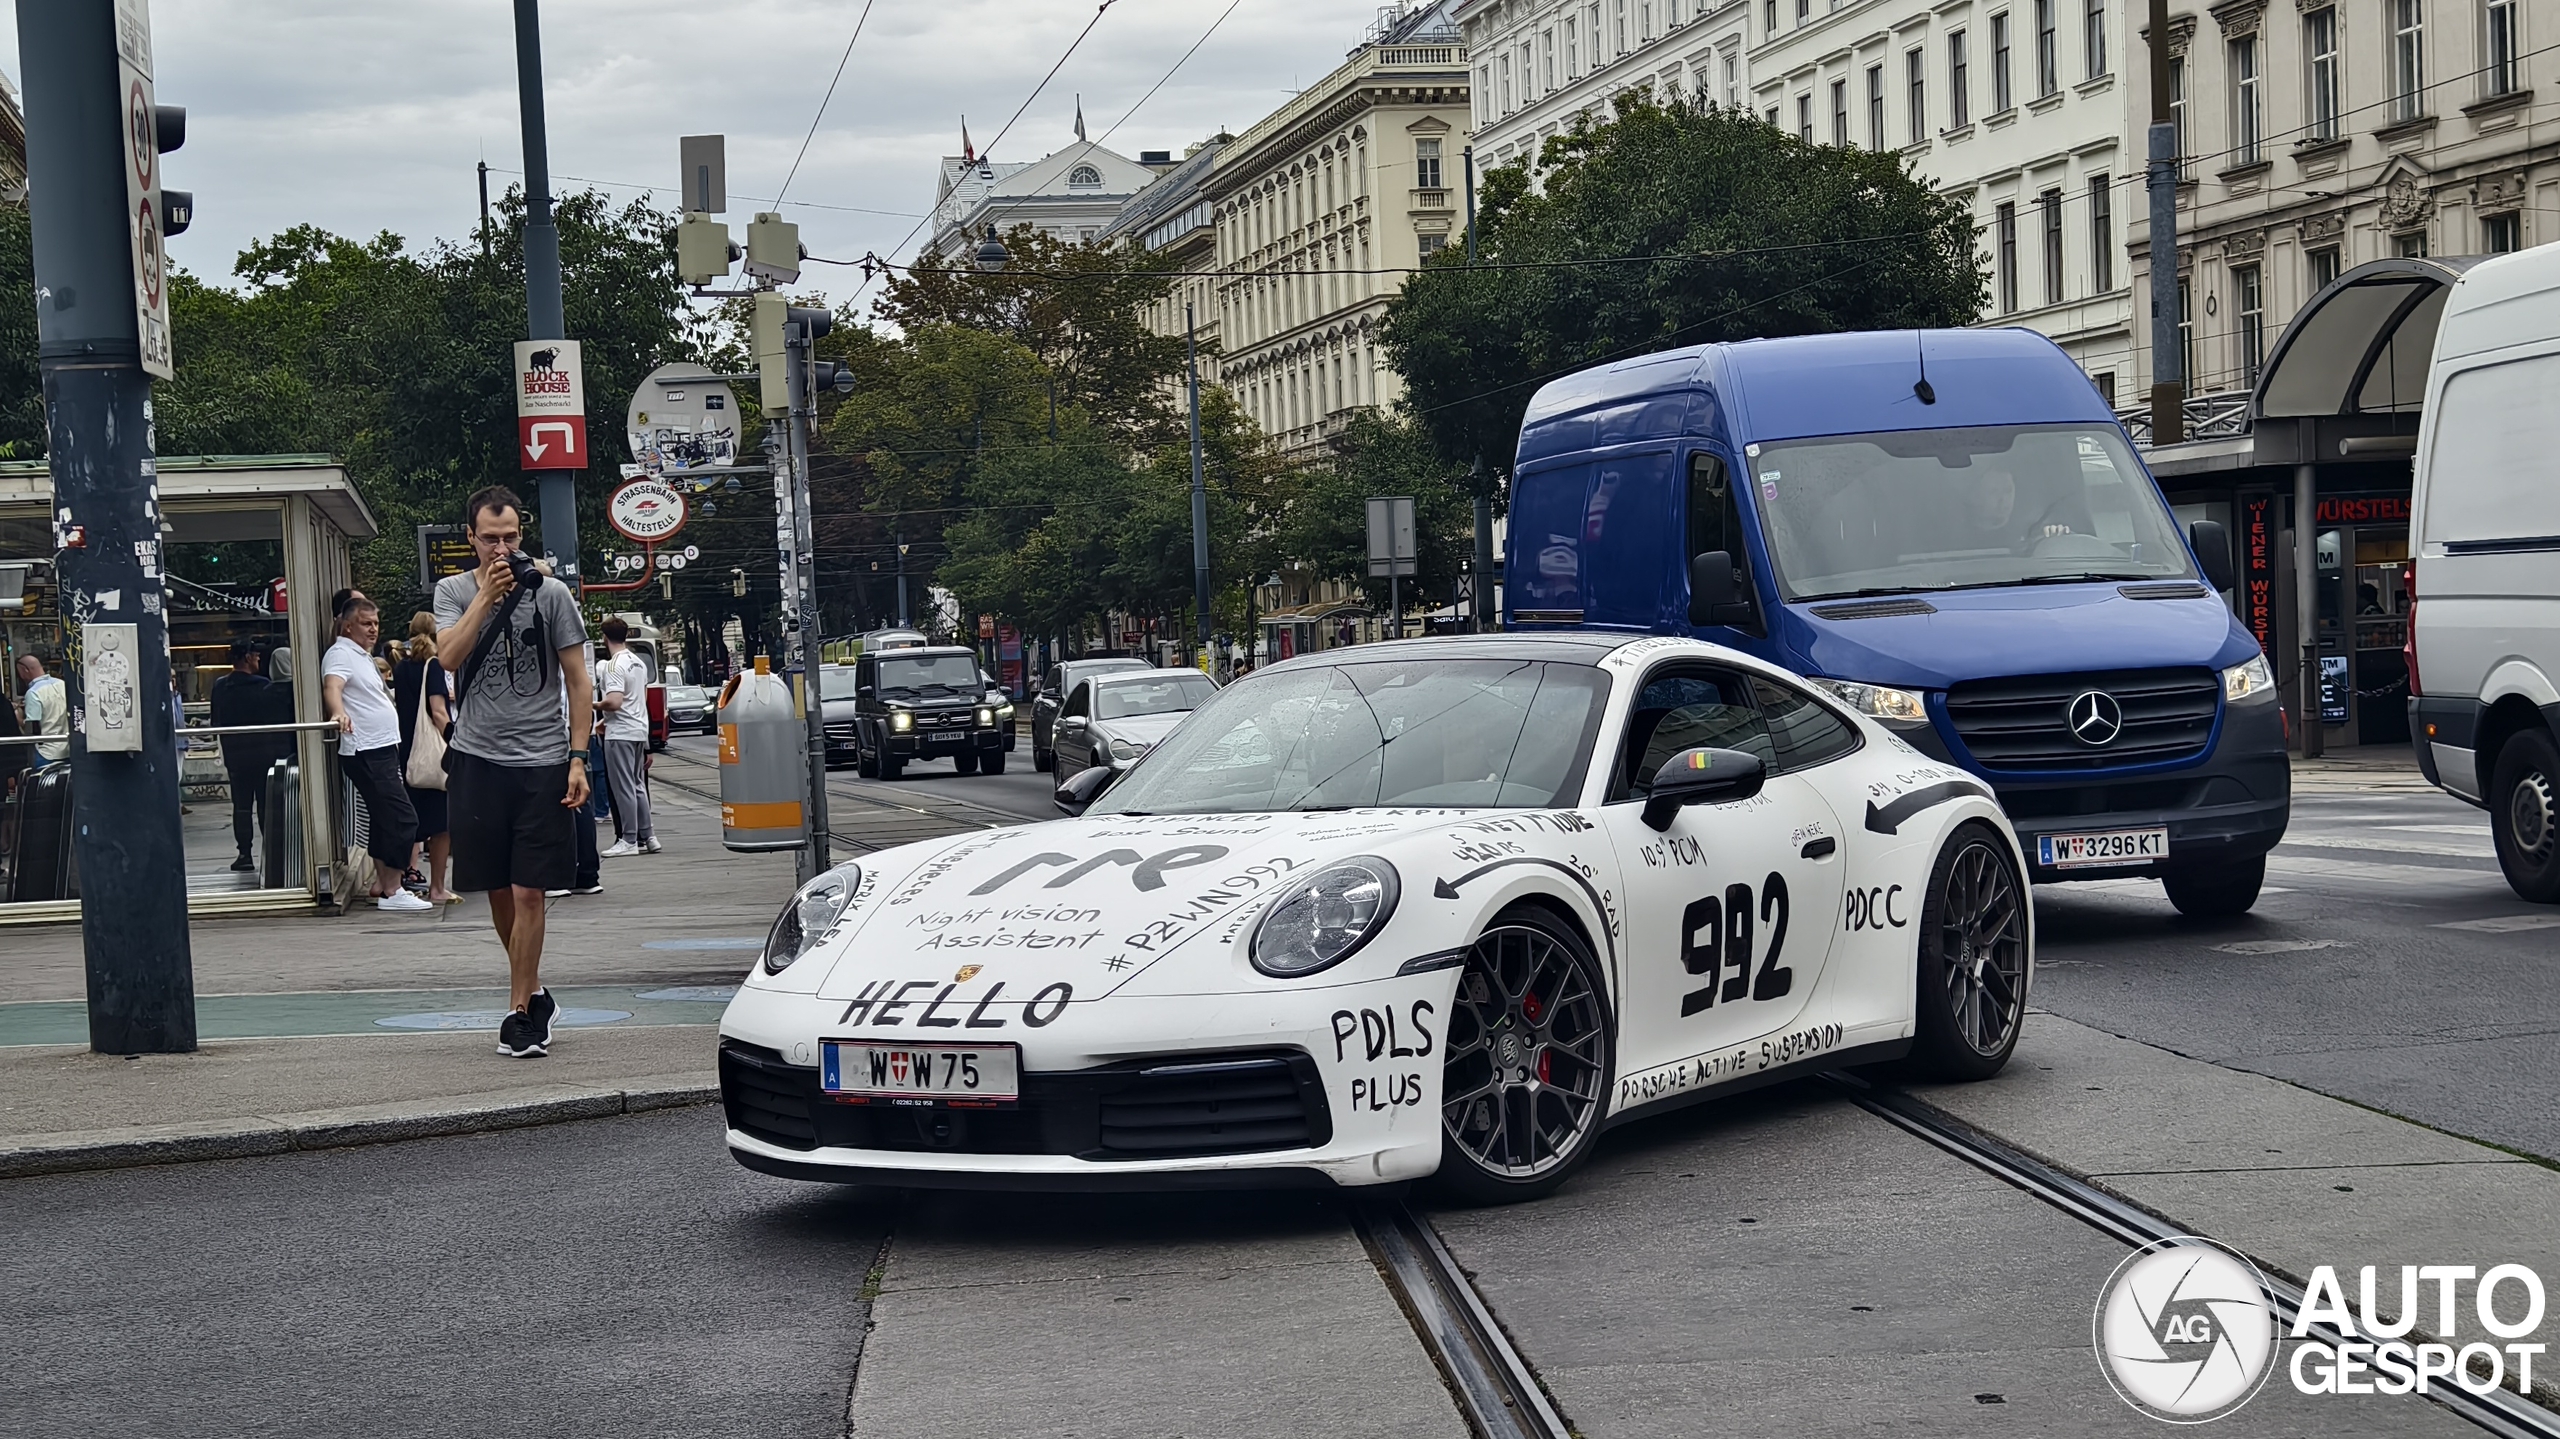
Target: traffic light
column 704, row 251
column 168, row 132
column 773, row 249
column 829, row 375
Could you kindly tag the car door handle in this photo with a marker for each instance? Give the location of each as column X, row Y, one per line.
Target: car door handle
column 1820, row 848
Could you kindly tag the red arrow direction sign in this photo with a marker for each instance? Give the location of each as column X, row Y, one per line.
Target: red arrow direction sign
column 554, row 444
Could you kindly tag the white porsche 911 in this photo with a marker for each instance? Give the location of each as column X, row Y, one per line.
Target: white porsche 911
column 1448, row 906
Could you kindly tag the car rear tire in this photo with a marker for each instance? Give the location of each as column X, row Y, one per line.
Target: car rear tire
column 965, row 763
column 1527, row 1061
column 1042, row 760
column 890, row 766
column 992, row 763
column 2524, row 815
column 1973, row 960
column 2226, row 889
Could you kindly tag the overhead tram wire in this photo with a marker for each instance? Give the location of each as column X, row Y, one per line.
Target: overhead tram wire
column 814, row 120
column 1169, row 74
column 773, row 199
column 1027, row 100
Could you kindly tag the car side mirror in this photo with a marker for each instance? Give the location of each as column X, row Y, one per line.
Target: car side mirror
column 1073, row 722
column 1701, row 776
column 1716, row 593
column 866, row 691
column 2212, row 545
column 1083, row 787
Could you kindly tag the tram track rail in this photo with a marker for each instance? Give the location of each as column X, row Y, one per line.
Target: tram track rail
column 1497, row 1392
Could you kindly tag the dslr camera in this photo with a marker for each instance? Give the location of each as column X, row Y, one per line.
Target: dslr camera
column 528, row 575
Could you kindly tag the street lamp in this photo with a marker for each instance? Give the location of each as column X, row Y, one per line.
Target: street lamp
column 991, row 252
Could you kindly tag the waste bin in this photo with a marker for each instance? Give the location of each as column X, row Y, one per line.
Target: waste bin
column 40, row 849
column 764, row 761
column 280, row 855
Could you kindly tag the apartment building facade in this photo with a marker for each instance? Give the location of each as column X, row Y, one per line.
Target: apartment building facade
column 1539, row 64
column 2318, row 135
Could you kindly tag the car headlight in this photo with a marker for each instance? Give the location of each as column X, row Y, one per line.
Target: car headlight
column 986, row 716
column 1325, row 918
column 1122, row 749
column 810, row 914
column 1893, row 706
column 902, row 721
column 2248, row 680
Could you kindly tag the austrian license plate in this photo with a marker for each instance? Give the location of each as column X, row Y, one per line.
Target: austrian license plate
column 2107, row 847
column 921, row 1074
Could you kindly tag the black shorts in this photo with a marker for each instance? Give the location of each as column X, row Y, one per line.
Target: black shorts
column 509, row 826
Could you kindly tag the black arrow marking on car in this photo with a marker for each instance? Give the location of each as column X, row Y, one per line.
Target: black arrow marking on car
column 1448, row 889
column 1888, row 818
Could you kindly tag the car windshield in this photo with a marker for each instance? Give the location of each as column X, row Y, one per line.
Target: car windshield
column 1959, row 509
column 1151, row 695
column 835, row 682
column 930, row 675
column 692, row 694
column 1434, row 733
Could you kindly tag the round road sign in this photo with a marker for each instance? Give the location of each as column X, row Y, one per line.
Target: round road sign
column 646, row 510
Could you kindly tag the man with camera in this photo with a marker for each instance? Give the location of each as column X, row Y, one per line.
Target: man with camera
column 516, row 645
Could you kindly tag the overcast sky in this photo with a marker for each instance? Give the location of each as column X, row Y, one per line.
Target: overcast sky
column 369, row 115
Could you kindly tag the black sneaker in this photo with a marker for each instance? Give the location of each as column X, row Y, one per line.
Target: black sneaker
column 542, row 1009
column 244, row 865
column 589, row 886
column 520, row 1038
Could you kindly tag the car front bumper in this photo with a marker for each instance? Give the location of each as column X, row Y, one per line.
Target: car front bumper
column 926, row 744
column 1327, row 1086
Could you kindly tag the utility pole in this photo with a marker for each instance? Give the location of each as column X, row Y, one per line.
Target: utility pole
column 484, row 213
column 101, row 332
column 1469, row 154
column 902, row 579
column 2168, row 357
column 803, row 327
column 542, row 311
column 1483, row 600
column 1199, row 489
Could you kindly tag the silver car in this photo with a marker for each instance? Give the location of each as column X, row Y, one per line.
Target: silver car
column 1113, row 719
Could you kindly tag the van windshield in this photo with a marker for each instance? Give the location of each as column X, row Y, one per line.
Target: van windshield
column 1956, row 509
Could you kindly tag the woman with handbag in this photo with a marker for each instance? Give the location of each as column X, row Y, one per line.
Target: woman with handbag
column 425, row 697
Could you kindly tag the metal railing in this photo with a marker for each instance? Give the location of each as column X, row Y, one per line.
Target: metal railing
column 2207, row 417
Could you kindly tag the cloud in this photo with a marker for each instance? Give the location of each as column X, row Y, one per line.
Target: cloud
column 369, row 117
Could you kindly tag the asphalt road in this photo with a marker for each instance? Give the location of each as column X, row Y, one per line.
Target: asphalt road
column 2396, row 970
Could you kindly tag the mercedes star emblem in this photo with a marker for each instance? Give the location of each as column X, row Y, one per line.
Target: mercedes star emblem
column 2095, row 717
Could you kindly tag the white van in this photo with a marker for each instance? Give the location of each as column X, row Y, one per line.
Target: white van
column 2484, row 638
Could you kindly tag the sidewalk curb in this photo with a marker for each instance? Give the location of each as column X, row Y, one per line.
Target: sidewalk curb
column 260, row 1135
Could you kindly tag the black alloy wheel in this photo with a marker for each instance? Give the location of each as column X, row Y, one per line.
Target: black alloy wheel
column 1973, row 959
column 2524, row 815
column 1526, row 1071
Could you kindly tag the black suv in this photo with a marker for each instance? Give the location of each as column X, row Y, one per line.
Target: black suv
column 927, row 703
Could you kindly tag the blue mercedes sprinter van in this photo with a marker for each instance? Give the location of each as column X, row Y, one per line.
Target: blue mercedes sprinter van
column 1949, row 531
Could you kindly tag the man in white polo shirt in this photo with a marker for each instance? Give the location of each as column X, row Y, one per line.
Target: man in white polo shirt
column 352, row 693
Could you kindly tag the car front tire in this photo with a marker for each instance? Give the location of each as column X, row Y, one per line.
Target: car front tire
column 2524, row 815
column 1042, row 759
column 966, row 762
column 1973, row 960
column 1528, row 1060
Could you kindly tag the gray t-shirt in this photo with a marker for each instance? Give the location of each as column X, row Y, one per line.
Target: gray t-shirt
column 511, row 716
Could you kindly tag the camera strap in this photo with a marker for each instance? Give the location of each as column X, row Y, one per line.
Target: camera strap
column 489, row 634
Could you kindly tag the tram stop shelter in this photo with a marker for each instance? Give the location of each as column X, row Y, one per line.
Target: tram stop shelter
column 2331, row 432
column 252, row 547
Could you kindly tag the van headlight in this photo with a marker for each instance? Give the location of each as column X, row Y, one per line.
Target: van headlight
column 1882, row 702
column 2249, row 679
column 810, row 914
column 1325, row 918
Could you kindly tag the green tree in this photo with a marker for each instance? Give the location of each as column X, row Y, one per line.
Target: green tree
column 21, row 387
column 1674, row 224
column 1326, row 531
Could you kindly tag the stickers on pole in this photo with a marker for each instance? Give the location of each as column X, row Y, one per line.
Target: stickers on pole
column 142, row 186
column 682, row 419
column 551, row 406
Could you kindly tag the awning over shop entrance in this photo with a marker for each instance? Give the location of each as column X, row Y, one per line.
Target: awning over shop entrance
column 2348, row 377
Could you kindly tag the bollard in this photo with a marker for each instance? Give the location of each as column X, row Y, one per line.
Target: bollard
column 763, row 761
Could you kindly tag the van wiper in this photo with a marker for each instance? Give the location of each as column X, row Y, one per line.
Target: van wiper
column 1878, row 591
column 2083, row 578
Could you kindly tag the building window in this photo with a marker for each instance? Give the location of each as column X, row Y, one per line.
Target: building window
column 2412, row 246
column 1804, row 11
column 1426, row 164
column 2408, row 59
column 2048, row 51
column 1915, row 69
column 1084, row 175
column 2105, row 380
column 1999, row 63
column 1959, row 104
column 1840, row 113
column 2102, row 235
column 2320, row 48
column 1507, row 105
column 2006, row 227
column 1732, row 82
column 1432, row 244
column 2096, row 25
column 1572, row 60
column 1804, row 118
column 2249, row 303
column 2501, row 75
column 1484, row 93
column 2324, row 268
column 1875, row 107
column 1622, row 27
column 1768, row 18
column 2186, row 334
column 1548, row 42
column 1771, row 116
column 2178, row 111
column 2049, row 208
column 2500, row 234
column 1644, row 20
column 2245, row 118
